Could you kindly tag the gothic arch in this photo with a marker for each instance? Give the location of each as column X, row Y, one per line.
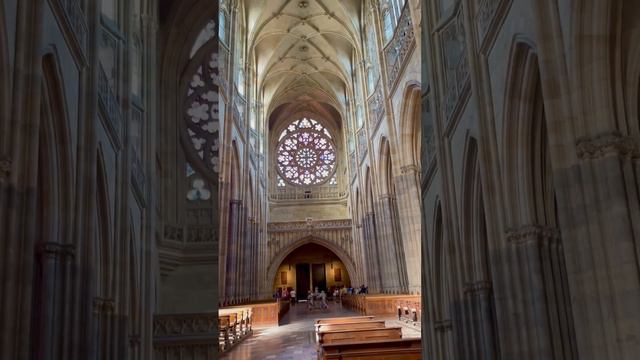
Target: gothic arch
column 475, row 247
column 531, row 205
column 387, row 186
column 55, row 137
column 409, row 134
column 311, row 239
column 235, row 175
column 5, row 81
column 103, row 251
column 522, row 95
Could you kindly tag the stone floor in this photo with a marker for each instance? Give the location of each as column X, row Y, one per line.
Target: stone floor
column 294, row 339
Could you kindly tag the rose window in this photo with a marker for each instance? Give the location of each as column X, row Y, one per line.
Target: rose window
column 305, row 153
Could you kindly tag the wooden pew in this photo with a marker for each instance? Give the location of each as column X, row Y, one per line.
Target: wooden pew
column 402, row 349
column 223, row 332
column 342, row 320
column 341, row 326
column 358, row 335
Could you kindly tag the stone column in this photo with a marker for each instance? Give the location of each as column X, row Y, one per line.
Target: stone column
column 232, row 246
column 479, row 299
column 371, row 243
column 391, row 236
column 543, row 292
column 409, row 208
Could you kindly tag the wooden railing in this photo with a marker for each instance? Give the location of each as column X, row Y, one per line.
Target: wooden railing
column 385, row 305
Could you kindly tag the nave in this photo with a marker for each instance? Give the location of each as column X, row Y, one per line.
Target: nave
column 295, row 338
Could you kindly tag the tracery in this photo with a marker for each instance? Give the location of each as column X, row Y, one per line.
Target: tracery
column 305, row 153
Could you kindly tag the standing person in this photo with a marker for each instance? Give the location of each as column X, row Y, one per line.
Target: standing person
column 323, row 299
column 293, row 296
column 310, row 301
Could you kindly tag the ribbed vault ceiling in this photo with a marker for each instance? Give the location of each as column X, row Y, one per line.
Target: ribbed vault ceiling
column 303, row 51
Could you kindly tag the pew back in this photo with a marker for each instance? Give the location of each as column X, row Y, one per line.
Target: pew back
column 333, row 337
column 403, row 349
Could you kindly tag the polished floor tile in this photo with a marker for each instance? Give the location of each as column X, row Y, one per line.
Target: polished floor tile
column 295, row 339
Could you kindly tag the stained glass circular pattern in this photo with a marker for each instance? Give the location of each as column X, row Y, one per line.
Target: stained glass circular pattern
column 305, row 153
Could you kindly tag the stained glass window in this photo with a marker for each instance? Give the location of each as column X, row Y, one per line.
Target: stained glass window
column 305, row 153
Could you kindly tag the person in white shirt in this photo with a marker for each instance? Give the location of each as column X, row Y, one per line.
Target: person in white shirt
column 293, row 296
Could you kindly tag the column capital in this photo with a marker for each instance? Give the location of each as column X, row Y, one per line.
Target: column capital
column 478, row 287
column 410, row 169
column 5, row 168
column 532, row 233
column 606, row 144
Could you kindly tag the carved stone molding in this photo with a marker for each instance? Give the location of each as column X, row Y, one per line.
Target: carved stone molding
column 611, row 143
column 134, row 340
column 410, row 169
column 533, row 233
column 442, row 325
column 478, row 287
column 5, row 168
column 57, row 251
column 97, row 305
column 172, row 232
column 305, row 225
column 400, row 47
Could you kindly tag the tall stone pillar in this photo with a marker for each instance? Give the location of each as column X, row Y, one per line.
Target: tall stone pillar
column 395, row 279
column 373, row 261
column 409, row 207
column 480, row 312
column 544, row 293
column 232, row 251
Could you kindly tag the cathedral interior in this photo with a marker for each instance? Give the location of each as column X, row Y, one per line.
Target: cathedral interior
column 320, row 179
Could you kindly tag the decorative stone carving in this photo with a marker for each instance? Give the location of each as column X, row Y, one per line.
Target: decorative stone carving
column 77, row 21
column 485, row 15
column 109, row 103
column 456, row 66
column 478, row 287
column 362, row 144
column 608, row 144
column 5, row 168
column 353, row 164
column 201, row 117
column 400, row 47
column 184, row 324
column 137, row 174
column 172, row 232
column 57, row 251
column 376, row 109
column 535, row 233
column 300, row 225
column 442, row 325
column 202, row 234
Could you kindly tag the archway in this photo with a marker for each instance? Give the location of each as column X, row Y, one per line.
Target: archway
column 348, row 269
column 311, row 266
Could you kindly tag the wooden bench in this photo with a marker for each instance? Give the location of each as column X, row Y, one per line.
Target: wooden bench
column 341, row 326
column 402, row 349
column 233, row 325
column 348, row 326
column 358, row 335
column 342, row 320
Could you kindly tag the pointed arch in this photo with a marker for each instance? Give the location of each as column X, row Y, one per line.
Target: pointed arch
column 410, row 129
column 342, row 254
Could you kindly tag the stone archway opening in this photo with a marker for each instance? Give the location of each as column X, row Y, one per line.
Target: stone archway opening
column 309, row 266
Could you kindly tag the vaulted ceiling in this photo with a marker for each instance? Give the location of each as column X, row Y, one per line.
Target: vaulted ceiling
column 303, row 51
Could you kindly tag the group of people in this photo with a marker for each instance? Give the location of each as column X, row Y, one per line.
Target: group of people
column 317, row 298
column 360, row 291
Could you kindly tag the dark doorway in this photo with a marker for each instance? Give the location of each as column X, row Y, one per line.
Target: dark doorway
column 302, row 281
column 319, row 277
